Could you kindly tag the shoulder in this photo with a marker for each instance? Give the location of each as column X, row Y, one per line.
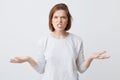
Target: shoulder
column 78, row 42
column 76, row 38
column 43, row 39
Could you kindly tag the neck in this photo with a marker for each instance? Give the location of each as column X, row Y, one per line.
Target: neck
column 59, row 35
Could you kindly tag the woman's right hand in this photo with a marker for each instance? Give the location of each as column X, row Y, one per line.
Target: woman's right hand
column 20, row 59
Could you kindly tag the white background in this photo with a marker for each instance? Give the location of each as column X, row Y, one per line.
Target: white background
column 22, row 22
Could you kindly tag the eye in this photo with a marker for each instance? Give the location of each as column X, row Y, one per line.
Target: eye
column 64, row 17
column 55, row 17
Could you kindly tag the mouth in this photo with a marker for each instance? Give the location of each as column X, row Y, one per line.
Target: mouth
column 59, row 25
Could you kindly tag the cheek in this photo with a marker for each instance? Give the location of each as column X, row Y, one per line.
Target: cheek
column 53, row 21
column 65, row 22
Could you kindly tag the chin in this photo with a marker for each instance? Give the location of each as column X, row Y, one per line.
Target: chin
column 60, row 30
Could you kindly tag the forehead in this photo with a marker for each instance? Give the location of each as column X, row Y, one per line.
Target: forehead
column 60, row 12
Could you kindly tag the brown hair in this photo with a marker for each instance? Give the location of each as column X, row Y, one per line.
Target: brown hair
column 60, row 6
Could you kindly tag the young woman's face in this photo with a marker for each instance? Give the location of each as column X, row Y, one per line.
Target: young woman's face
column 59, row 20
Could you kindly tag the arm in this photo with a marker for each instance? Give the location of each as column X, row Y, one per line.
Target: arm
column 23, row 59
column 98, row 55
column 38, row 66
column 83, row 64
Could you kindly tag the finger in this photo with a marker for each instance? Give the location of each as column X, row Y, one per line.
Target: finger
column 102, row 52
column 104, row 57
column 17, row 57
column 13, row 60
column 98, row 54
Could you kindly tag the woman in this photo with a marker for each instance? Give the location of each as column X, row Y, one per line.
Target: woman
column 61, row 52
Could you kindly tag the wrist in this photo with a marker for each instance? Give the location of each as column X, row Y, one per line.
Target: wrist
column 90, row 58
column 28, row 59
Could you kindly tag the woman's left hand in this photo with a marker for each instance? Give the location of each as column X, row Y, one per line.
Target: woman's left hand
column 99, row 55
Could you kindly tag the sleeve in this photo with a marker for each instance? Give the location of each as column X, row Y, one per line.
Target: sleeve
column 40, row 57
column 80, row 58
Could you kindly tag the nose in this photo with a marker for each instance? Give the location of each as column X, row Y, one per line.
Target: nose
column 59, row 20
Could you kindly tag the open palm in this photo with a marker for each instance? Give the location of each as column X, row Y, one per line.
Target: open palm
column 99, row 55
column 19, row 59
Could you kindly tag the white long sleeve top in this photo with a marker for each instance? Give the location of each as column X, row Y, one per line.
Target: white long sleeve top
column 60, row 59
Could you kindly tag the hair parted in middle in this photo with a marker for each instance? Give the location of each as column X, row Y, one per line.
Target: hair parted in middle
column 60, row 6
